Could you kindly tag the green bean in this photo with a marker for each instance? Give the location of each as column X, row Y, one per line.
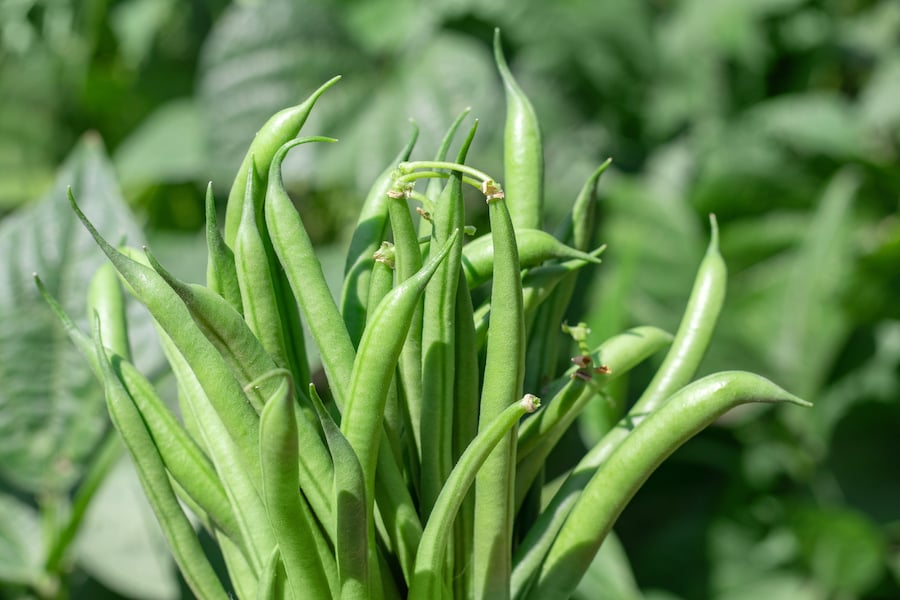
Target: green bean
column 503, row 375
column 681, row 417
column 227, row 331
column 695, row 330
column 535, row 246
column 292, row 526
column 278, row 130
column 351, row 549
column 307, row 280
column 221, row 276
column 271, row 583
column 304, row 272
column 179, row 533
column 429, row 582
column 256, row 281
column 438, row 341
column 106, row 299
column 369, row 233
column 465, row 428
column 220, row 386
column 523, row 156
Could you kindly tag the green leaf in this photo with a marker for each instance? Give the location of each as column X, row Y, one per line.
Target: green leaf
column 121, row 543
column 53, row 409
column 168, row 147
column 20, row 542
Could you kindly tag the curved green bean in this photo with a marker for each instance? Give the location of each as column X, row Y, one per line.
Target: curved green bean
column 429, row 583
column 681, row 417
column 292, row 526
column 503, row 376
column 307, row 280
column 535, row 246
column 696, row 328
column 278, row 130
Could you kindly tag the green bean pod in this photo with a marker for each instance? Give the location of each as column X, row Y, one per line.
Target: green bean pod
column 351, row 549
column 663, row 431
column 503, row 375
column 695, row 330
column 256, row 280
column 523, row 154
column 179, row 533
column 105, row 298
column 307, row 280
column 465, row 427
column 277, row 131
column 438, row 365
column 535, row 246
column 272, row 581
column 368, row 235
column 221, row 388
column 429, row 583
column 292, row 526
column 221, row 276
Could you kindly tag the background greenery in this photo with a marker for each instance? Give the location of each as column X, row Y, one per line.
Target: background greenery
column 781, row 116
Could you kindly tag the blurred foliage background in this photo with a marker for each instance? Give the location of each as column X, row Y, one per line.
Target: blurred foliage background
column 780, row 116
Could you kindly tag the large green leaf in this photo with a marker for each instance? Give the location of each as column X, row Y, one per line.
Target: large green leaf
column 53, row 410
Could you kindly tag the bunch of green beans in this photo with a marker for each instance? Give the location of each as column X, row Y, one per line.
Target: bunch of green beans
column 421, row 476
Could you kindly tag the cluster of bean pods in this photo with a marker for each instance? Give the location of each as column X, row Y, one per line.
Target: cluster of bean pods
column 421, row 476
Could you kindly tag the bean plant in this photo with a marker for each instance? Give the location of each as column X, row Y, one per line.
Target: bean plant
column 420, row 472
